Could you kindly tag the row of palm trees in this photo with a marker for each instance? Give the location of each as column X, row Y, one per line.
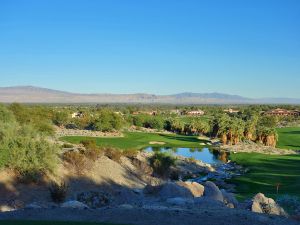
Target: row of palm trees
column 232, row 130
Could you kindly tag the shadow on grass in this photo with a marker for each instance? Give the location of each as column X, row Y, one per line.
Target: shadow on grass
column 267, row 173
column 290, row 132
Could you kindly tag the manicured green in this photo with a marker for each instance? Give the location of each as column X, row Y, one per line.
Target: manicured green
column 289, row 138
column 265, row 172
column 139, row 140
column 23, row 222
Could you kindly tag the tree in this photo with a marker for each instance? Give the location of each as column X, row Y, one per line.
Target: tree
column 60, row 118
column 221, row 127
column 250, row 127
column 107, row 121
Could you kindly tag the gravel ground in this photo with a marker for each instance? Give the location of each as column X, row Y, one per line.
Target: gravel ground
column 154, row 216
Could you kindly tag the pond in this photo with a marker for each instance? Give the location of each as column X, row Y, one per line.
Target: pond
column 205, row 155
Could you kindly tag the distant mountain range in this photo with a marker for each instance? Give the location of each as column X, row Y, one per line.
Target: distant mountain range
column 31, row 94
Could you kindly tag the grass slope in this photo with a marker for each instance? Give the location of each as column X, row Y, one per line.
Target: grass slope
column 289, row 138
column 266, row 171
column 140, row 140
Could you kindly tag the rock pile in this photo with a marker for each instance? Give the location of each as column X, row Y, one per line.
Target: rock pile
column 261, row 204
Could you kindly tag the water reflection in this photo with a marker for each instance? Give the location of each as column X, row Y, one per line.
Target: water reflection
column 206, row 155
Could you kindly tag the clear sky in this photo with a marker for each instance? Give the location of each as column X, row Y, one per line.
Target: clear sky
column 245, row 47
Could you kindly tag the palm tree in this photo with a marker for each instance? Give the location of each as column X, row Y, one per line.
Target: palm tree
column 250, row 127
column 270, row 137
column 200, row 126
column 237, row 127
column 221, row 127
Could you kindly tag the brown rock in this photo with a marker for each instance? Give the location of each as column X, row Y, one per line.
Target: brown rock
column 195, row 188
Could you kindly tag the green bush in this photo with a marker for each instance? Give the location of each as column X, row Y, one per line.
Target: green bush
column 161, row 163
column 26, row 152
column 107, row 121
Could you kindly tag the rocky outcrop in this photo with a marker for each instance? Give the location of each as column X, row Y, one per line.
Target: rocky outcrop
column 173, row 190
column 212, row 191
column 261, row 204
column 94, row 199
column 178, row 189
column 196, row 189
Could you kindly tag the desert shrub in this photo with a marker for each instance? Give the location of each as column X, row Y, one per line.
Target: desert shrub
column 130, row 153
column 29, row 176
column 6, row 116
column 89, row 144
column 24, row 151
column 29, row 152
column 58, row 192
column 60, row 118
column 93, row 154
column 44, row 127
column 113, row 153
column 24, row 148
column 161, row 163
column 67, row 145
column 76, row 159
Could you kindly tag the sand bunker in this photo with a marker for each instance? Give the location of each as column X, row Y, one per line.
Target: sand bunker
column 156, row 143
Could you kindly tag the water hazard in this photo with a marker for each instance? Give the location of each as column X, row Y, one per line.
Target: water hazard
column 205, row 155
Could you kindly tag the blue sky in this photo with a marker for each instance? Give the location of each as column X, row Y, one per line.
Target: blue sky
column 250, row 48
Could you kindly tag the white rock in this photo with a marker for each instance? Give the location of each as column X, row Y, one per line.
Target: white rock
column 6, row 208
column 212, row 191
column 74, row 205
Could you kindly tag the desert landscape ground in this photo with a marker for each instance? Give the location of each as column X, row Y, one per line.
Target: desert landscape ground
column 115, row 163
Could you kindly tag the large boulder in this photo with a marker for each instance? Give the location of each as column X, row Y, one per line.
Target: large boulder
column 168, row 190
column 212, row 191
column 229, row 199
column 195, row 188
column 261, row 204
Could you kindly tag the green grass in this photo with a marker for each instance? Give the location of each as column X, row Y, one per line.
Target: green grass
column 289, row 138
column 266, row 171
column 140, row 140
column 23, row 222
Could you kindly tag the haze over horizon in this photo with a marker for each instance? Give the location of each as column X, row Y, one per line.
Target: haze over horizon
column 251, row 49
